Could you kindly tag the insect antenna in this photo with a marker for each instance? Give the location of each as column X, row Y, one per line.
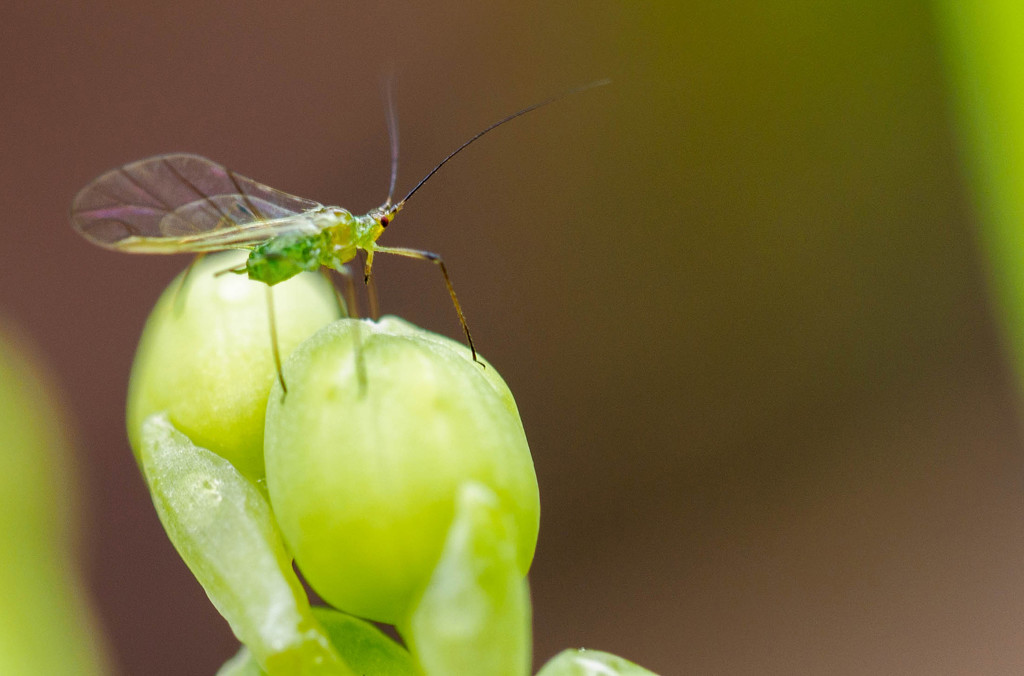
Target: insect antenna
column 392, row 114
column 497, row 124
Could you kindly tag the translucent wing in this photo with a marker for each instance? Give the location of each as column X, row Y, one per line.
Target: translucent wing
column 181, row 202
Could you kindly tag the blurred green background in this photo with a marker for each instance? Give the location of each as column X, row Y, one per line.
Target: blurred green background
column 739, row 296
column 46, row 626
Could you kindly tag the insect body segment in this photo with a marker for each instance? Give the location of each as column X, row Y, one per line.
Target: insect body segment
column 277, row 260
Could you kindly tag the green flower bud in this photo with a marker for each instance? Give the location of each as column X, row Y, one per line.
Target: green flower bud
column 583, row 662
column 363, row 474
column 205, row 356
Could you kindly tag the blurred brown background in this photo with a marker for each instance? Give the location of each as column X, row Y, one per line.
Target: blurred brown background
column 737, row 294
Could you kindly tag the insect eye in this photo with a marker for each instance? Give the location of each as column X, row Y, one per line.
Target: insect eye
column 384, row 220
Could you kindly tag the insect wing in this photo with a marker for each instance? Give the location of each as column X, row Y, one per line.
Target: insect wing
column 183, row 202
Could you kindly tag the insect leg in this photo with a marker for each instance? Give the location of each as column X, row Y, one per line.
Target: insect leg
column 350, row 291
column 371, row 291
column 436, row 259
column 357, row 350
column 238, row 270
column 357, row 331
column 273, row 341
column 182, row 291
column 343, row 305
column 371, row 287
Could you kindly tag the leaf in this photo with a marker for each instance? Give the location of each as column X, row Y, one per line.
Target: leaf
column 224, row 530
column 474, row 615
column 361, row 644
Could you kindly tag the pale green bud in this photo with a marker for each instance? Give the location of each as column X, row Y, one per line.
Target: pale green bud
column 364, row 475
column 205, row 356
column 582, row 662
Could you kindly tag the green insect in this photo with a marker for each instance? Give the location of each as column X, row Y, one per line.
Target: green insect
column 184, row 203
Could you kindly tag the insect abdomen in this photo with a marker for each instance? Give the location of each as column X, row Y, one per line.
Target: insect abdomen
column 279, row 259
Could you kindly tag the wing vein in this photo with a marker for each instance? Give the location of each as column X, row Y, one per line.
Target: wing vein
column 206, row 198
column 145, row 191
column 245, row 198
